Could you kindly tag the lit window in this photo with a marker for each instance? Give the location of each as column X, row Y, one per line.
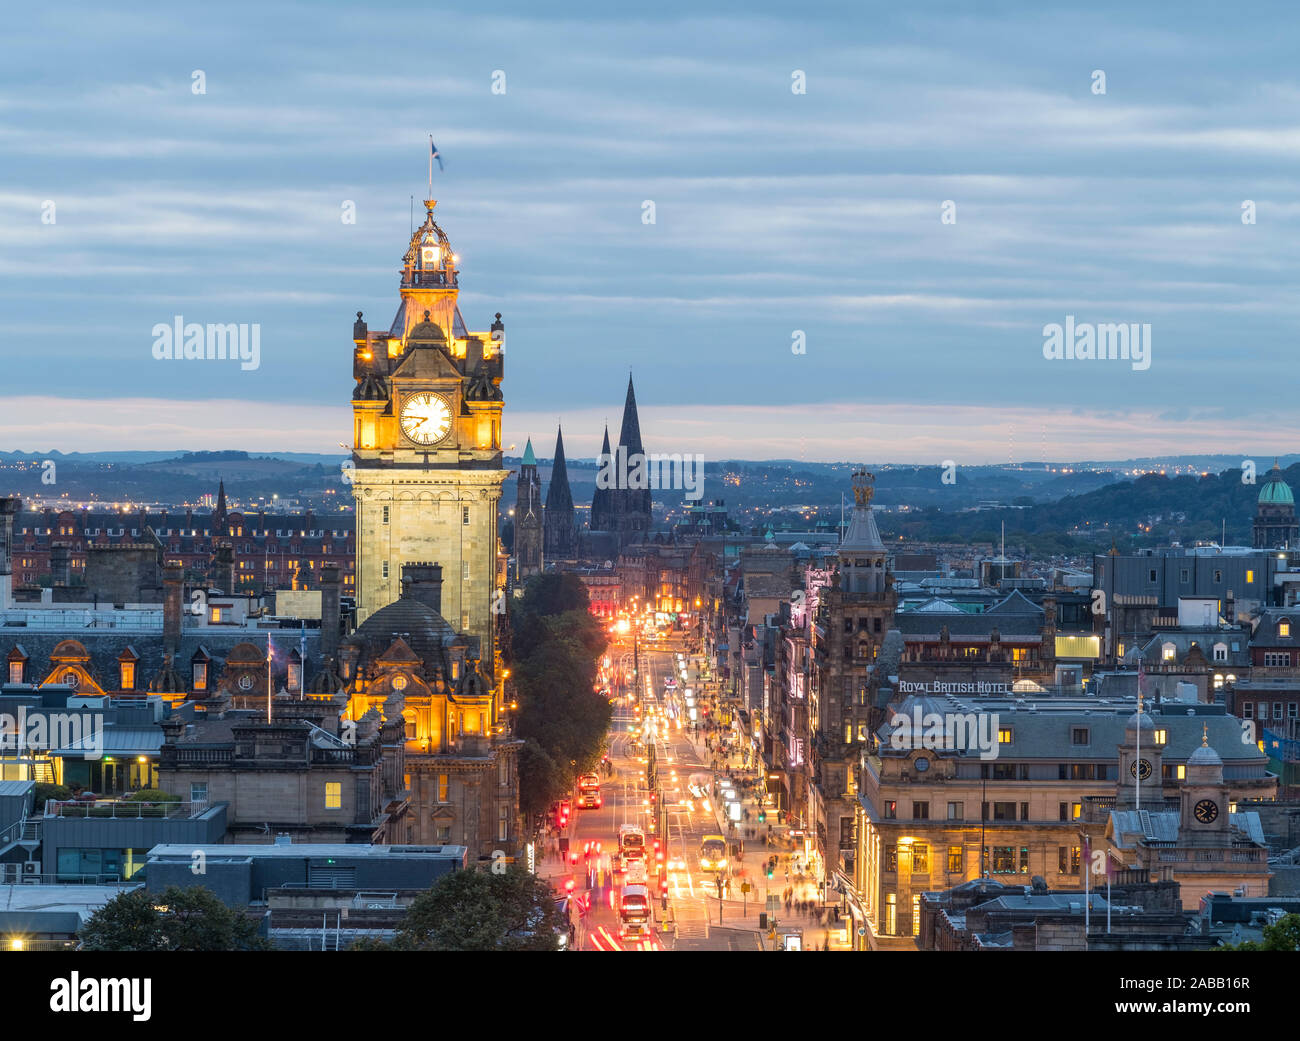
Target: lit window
column 333, row 795
column 443, row 787
column 128, row 675
column 1004, row 735
column 1250, row 575
column 1182, row 772
column 1284, row 628
column 1162, row 737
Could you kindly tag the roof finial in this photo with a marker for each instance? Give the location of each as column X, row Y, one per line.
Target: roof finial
column 1205, row 735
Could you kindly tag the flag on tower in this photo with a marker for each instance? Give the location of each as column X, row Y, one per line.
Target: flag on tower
column 433, row 152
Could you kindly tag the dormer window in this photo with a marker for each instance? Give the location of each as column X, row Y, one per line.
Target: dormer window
column 200, row 675
column 1284, row 628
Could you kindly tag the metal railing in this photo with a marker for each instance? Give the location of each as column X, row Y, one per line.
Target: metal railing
column 123, row 809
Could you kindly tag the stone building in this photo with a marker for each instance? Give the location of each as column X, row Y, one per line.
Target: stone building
column 559, row 529
column 528, row 518
column 1275, row 520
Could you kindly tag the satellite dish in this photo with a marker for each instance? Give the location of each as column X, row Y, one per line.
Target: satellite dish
column 609, row 563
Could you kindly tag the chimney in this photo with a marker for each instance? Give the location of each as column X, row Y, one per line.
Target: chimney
column 329, row 611
column 225, row 567
column 423, row 582
column 61, row 564
column 8, row 511
column 173, row 576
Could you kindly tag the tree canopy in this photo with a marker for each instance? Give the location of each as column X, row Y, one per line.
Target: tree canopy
column 555, row 644
column 1282, row 935
column 179, row 919
column 484, row 911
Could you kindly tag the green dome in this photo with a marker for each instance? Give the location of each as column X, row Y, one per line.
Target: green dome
column 1276, row 492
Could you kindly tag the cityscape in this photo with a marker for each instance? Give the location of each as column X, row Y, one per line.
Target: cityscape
column 556, row 571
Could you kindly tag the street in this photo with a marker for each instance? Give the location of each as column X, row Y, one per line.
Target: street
column 691, row 917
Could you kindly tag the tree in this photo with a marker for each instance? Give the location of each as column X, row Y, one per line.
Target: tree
column 180, row 919
column 484, row 911
column 1282, row 935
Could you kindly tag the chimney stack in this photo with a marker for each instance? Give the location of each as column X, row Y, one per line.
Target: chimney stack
column 225, row 567
column 173, row 579
column 423, row 582
column 329, row 611
column 61, row 564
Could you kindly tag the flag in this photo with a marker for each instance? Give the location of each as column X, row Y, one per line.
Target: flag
column 433, row 153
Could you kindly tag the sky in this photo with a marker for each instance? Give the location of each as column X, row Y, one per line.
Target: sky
column 912, row 193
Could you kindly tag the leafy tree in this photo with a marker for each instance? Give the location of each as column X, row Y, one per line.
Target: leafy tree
column 483, row 911
column 179, row 919
column 1282, row 935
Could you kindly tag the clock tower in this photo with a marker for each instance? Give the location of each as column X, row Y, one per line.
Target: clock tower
column 1140, row 765
column 426, row 443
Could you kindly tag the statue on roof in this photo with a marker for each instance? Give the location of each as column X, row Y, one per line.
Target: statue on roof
column 863, row 487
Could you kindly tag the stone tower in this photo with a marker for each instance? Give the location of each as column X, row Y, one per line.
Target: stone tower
column 632, row 512
column 426, row 444
column 528, row 517
column 1275, row 519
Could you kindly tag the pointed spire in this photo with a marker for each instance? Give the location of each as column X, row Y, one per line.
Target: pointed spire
column 630, row 435
column 529, row 458
column 219, row 514
column 602, row 500
column 558, row 495
column 1205, row 735
column 559, row 528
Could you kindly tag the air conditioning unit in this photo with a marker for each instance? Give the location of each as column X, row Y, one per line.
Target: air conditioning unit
column 9, row 872
column 31, row 867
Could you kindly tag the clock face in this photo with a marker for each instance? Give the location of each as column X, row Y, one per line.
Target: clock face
column 426, row 418
column 245, row 682
column 1206, row 811
column 922, row 764
column 1141, row 769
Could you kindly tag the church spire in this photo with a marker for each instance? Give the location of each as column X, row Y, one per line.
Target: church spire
column 560, row 534
column 602, row 500
column 629, row 436
column 219, row 514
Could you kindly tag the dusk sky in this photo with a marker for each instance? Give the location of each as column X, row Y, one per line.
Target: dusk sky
column 775, row 212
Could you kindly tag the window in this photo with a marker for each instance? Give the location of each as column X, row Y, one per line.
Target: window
column 1250, row 576
column 385, row 516
column 1184, row 575
column 1162, row 737
column 200, row 675
column 1220, row 652
column 15, row 672
column 955, row 860
column 199, row 793
column 1003, row 860
column 443, row 832
column 1024, row 811
column 1004, row 811
column 503, row 823
column 920, row 859
column 384, row 570
column 464, row 570
column 1078, row 735
column 1218, row 576
column 333, row 795
column 920, row 811
column 1064, row 808
column 1277, row 710
column 443, row 787
column 1076, row 810
column 891, row 858
column 1151, row 575
column 1284, row 628
column 1168, row 652
column 891, row 810
column 1277, row 658
column 1004, row 735
column 128, row 675
column 956, row 811
column 891, row 914
column 1291, row 708
column 1247, row 710
column 464, row 514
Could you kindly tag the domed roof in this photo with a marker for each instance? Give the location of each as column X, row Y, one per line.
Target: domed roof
column 1276, row 492
column 1139, row 720
column 425, row 631
column 1204, row 756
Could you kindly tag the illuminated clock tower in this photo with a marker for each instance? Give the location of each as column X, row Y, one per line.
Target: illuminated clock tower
column 426, row 443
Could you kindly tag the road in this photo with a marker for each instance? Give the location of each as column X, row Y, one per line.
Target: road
column 689, row 918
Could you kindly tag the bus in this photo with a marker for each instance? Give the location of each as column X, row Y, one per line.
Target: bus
column 589, row 792
column 631, row 842
column 634, row 910
column 713, row 853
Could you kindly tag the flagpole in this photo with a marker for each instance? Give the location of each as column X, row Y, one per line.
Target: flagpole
column 268, row 677
column 430, row 195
